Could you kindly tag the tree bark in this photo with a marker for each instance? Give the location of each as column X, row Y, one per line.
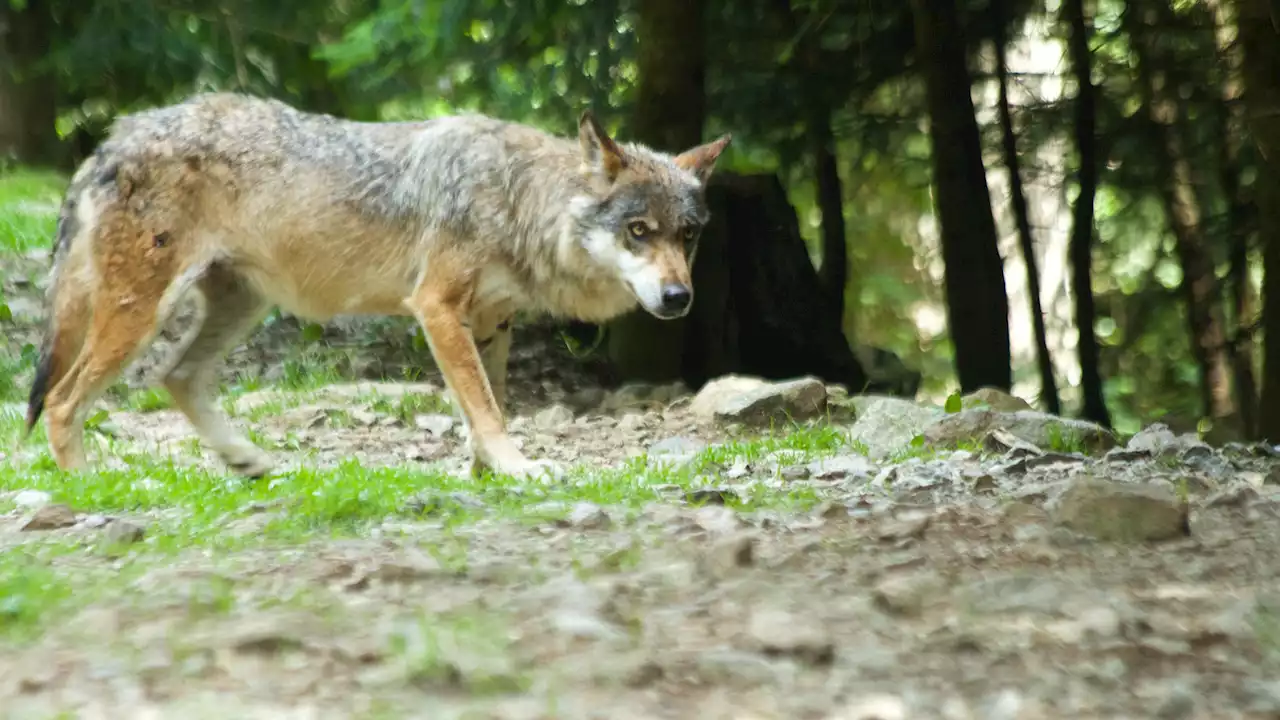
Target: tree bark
column 1261, row 42
column 670, row 102
column 834, row 271
column 1243, row 296
column 28, row 95
column 1094, row 404
column 1182, row 210
column 977, row 304
column 807, row 65
column 1018, row 201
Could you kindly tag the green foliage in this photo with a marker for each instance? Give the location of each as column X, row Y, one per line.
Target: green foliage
column 954, row 403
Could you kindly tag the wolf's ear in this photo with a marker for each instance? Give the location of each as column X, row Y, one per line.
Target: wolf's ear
column 600, row 154
column 702, row 160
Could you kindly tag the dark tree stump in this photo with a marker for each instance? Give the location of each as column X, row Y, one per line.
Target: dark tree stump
column 759, row 307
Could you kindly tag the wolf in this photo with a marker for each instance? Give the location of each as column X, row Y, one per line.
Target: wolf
column 458, row 221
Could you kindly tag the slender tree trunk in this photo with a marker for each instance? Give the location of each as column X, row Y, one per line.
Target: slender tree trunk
column 807, row 66
column 977, row 304
column 834, row 272
column 670, row 101
column 28, row 96
column 1260, row 39
column 1242, row 293
column 1094, row 405
column 1182, row 209
column 1018, row 201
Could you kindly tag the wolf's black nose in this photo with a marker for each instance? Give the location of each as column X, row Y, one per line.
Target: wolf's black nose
column 675, row 298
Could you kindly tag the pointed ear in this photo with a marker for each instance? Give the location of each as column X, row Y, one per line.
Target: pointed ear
column 702, row 160
column 600, row 154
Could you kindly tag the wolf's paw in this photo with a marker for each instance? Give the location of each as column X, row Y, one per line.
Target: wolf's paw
column 251, row 462
column 537, row 470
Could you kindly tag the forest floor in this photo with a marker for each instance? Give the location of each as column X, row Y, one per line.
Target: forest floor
column 704, row 558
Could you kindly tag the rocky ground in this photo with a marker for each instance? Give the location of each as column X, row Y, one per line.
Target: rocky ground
column 756, row 551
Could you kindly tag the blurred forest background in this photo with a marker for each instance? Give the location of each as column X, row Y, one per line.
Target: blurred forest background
column 1090, row 225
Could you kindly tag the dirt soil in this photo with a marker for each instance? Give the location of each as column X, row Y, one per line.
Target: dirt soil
column 929, row 587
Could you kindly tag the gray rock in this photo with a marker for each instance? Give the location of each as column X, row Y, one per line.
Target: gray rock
column 1261, row 696
column 123, row 532
column 436, row 425
column 733, row 668
column 874, row 707
column 1040, row 429
column 632, row 421
column 728, row 553
column 32, row 498
column 907, row 594
column 51, row 517
column 751, row 400
column 587, row 398
column 1237, row 495
column 780, row 632
column 995, row 399
column 907, row 525
column 1155, row 439
column 1123, row 512
column 841, row 467
column 1014, row 593
column 887, row 425
column 631, row 396
column 588, row 516
column 92, row 522
column 1179, row 702
column 554, row 417
column 676, row 447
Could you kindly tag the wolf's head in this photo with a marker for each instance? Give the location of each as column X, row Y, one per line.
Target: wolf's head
column 644, row 215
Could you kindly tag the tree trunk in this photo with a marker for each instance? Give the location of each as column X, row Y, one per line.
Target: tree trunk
column 28, row 96
column 807, row 66
column 1018, row 201
column 1094, row 405
column 977, row 305
column 762, row 320
column 1242, row 291
column 834, row 272
column 1261, row 42
column 1182, row 209
column 670, row 102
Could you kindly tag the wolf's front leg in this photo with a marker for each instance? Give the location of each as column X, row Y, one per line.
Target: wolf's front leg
column 441, row 302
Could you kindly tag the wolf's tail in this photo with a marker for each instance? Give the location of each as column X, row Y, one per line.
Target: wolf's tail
column 67, row 229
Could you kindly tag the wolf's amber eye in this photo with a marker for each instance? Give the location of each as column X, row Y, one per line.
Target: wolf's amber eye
column 638, row 229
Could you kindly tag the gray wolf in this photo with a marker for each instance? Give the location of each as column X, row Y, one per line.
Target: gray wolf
column 458, row 221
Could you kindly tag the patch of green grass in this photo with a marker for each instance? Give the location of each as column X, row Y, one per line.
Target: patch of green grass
column 919, row 449
column 192, row 508
column 410, row 405
column 31, row 589
column 15, row 372
column 29, row 203
column 147, row 399
column 1064, row 440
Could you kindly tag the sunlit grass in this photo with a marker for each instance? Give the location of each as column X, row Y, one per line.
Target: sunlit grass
column 29, row 203
column 190, row 508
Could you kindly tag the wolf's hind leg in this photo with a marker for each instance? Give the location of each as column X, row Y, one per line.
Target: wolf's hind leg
column 125, row 317
column 231, row 310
